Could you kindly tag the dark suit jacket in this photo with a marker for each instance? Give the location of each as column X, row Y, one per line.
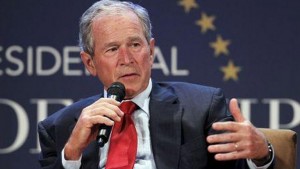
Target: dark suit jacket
column 181, row 116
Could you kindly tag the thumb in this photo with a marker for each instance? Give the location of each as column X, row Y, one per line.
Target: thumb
column 235, row 110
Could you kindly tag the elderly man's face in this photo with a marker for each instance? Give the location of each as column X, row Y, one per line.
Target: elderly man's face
column 122, row 53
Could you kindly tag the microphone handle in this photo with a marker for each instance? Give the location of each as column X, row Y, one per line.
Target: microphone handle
column 103, row 135
column 104, row 131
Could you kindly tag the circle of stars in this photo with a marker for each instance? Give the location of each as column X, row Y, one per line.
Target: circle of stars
column 220, row 46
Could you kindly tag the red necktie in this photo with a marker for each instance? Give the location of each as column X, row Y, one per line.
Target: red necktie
column 123, row 141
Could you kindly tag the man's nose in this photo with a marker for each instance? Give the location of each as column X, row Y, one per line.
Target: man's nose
column 125, row 55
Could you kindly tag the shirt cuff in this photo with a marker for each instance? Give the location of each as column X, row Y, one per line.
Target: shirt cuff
column 252, row 165
column 70, row 164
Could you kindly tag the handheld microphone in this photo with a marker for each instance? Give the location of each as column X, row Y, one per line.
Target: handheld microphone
column 117, row 92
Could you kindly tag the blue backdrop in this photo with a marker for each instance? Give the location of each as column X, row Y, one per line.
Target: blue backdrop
column 249, row 48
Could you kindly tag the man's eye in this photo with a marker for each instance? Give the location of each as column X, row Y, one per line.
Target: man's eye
column 135, row 44
column 112, row 49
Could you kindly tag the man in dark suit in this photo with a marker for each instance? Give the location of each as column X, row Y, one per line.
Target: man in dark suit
column 178, row 125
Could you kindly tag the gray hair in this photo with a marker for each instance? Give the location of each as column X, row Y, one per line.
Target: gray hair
column 104, row 8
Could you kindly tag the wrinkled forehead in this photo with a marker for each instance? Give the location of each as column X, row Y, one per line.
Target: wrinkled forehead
column 106, row 20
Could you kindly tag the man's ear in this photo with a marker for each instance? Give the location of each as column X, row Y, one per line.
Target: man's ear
column 152, row 47
column 88, row 63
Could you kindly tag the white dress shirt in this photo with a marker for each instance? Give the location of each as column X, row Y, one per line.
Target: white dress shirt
column 144, row 158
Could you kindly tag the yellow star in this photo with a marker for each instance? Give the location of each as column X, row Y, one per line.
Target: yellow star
column 220, row 46
column 206, row 22
column 188, row 4
column 230, row 71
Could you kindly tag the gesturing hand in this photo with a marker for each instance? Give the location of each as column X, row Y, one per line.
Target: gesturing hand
column 240, row 139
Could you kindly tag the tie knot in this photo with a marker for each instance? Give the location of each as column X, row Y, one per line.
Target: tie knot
column 128, row 107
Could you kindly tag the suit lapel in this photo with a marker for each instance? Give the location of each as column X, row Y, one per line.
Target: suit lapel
column 165, row 127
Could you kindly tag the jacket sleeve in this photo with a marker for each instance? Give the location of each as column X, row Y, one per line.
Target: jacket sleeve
column 49, row 157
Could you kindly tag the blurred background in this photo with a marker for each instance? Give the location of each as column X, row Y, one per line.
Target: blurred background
column 250, row 49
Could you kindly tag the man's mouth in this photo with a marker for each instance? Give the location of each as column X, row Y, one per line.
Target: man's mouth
column 128, row 75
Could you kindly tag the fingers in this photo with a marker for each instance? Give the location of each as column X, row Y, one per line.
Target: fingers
column 223, row 138
column 98, row 119
column 103, row 111
column 232, row 126
column 230, row 150
column 226, row 126
column 225, row 145
column 245, row 142
column 225, row 148
column 239, row 150
column 234, row 155
column 235, row 110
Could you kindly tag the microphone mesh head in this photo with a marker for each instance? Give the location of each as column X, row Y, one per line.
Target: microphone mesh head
column 117, row 89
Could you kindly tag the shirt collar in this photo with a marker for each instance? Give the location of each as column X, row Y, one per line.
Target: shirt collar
column 142, row 99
